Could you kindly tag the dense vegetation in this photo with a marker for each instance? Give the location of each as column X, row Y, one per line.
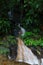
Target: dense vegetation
column 30, row 17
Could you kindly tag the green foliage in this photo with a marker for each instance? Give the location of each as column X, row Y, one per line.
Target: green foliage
column 28, row 38
column 33, row 42
column 28, row 41
column 32, row 39
column 5, row 42
column 4, row 26
column 11, row 39
column 4, row 50
column 32, row 9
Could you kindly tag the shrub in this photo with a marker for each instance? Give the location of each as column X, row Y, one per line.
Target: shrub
column 4, row 26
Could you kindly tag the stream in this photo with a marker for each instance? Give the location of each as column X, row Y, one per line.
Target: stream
column 24, row 55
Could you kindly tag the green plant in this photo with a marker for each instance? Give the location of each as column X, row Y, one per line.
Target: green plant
column 32, row 39
column 4, row 26
column 33, row 42
column 32, row 14
column 4, row 50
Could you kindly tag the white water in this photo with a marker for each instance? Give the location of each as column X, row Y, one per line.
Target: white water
column 41, row 61
column 25, row 54
column 22, row 30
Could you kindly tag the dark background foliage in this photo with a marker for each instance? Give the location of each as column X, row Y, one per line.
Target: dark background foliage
column 29, row 13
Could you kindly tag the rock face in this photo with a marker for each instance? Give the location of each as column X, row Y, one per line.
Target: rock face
column 24, row 54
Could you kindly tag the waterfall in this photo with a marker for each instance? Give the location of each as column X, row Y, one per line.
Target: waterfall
column 24, row 54
column 22, row 30
column 41, row 61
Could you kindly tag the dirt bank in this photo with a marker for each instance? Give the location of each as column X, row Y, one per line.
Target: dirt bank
column 5, row 61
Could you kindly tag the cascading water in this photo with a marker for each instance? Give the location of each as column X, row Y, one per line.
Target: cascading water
column 22, row 30
column 24, row 54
